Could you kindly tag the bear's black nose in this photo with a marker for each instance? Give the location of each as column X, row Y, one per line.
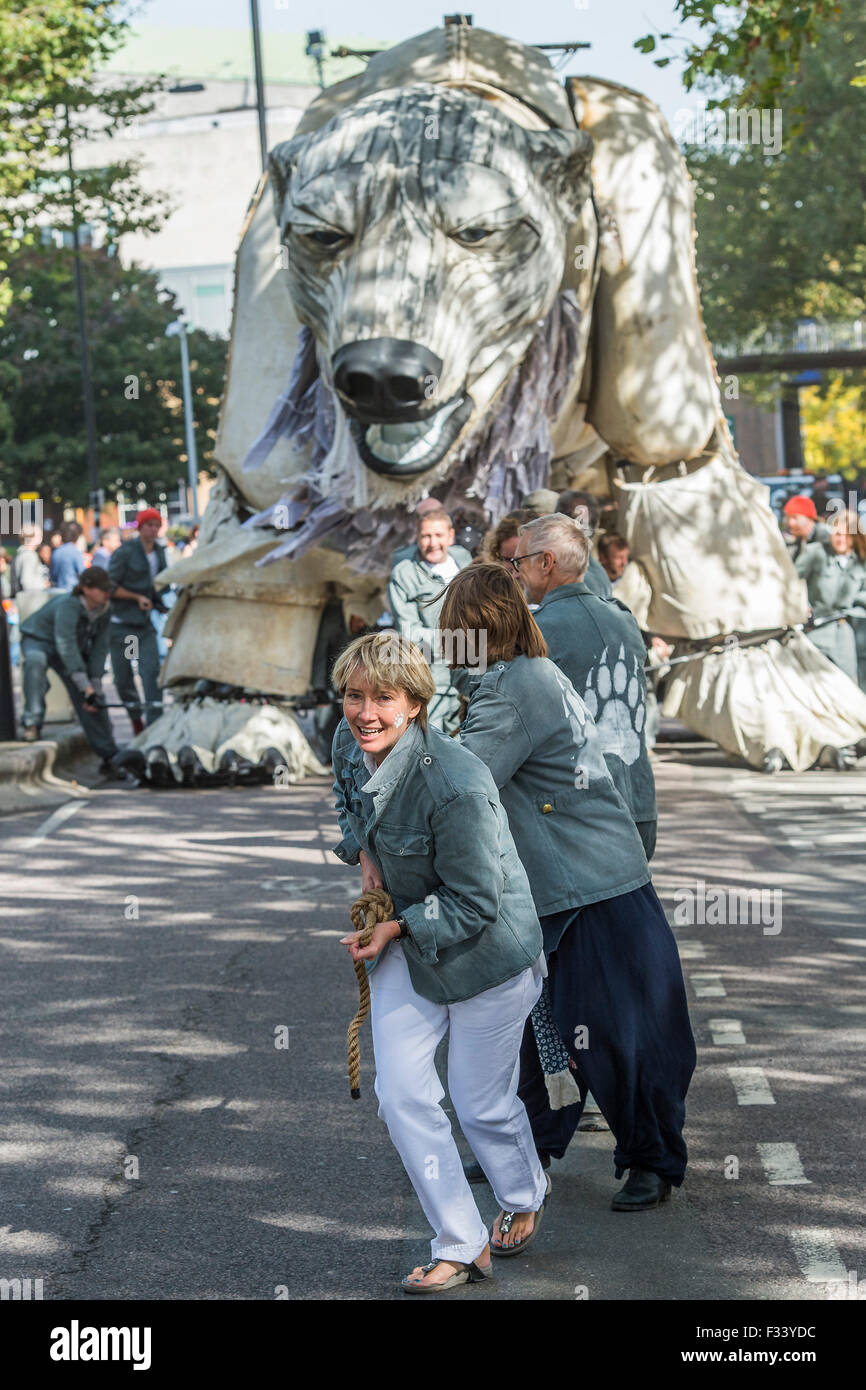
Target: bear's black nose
column 387, row 379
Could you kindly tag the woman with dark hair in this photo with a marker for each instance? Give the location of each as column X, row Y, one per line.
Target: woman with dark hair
column 614, row 1010
column 841, row 585
column 69, row 635
column 461, row 956
column 500, row 542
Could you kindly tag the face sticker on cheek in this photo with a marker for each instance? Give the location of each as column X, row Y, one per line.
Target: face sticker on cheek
column 398, row 720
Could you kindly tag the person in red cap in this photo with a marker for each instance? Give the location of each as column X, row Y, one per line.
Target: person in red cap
column 808, row 536
column 132, row 569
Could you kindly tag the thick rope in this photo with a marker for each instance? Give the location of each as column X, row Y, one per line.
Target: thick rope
column 370, row 908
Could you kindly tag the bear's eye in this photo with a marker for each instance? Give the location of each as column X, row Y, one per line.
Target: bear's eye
column 325, row 237
column 471, row 236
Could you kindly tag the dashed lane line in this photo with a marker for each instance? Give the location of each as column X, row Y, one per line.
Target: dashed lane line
column 691, row 950
column 55, row 820
column 707, row 986
column 727, row 1032
column 751, row 1086
column 782, row 1165
column 816, row 1254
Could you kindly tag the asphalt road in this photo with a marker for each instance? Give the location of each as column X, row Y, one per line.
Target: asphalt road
column 158, row 1140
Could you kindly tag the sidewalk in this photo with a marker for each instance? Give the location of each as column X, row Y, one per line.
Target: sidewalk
column 60, row 767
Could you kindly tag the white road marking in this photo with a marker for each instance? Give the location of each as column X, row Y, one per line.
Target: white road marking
column 692, row 950
column 727, row 1032
column 751, row 1086
column 817, row 1256
column 54, row 820
column 782, row 1165
column 708, row 986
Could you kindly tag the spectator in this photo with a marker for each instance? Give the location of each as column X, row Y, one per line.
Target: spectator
column 67, row 561
column 133, row 568
column 69, row 635
column 422, row 508
column 190, row 542
column 109, row 540
column 841, row 584
column 585, row 509
column 500, row 542
column 44, row 552
column 6, row 589
column 415, row 594
column 29, row 572
column 613, row 556
column 805, row 530
column 599, row 646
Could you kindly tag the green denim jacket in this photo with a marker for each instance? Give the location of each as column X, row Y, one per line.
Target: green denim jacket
column 413, row 591
column 573, row 831
column 599, row 646
column 63, row 625
column 431, row 820
column 129, row 568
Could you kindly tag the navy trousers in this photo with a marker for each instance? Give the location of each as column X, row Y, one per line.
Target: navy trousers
column 619, row 1003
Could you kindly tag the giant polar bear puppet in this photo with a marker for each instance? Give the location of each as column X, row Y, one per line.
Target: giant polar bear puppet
column 478, row 281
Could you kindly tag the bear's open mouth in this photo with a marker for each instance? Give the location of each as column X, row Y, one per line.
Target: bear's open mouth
column 402, row 450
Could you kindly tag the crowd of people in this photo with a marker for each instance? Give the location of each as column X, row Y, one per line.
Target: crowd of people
column 572, row 989
column 80, row 607
column 829, row 554
column 516, row 855
column 499, row 789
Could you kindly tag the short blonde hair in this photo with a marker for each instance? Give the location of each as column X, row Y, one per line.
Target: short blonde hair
column 390, row 662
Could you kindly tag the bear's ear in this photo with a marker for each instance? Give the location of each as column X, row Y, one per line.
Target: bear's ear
column 562, row 158
column 282, row 163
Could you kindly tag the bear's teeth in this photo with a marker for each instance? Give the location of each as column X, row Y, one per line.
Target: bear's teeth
column 410, row 442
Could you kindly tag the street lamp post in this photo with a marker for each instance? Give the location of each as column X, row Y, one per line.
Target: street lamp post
column 86, row 380
column 260, row 82
column 178, row 330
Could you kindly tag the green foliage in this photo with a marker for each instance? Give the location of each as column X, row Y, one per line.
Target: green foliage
column 832, row 419
column 783, row 237
column 757, row 43
column 52, row 90
column 136, row 376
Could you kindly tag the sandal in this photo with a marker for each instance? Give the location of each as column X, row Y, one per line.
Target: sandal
column 503, row 1251
column 469, row 1274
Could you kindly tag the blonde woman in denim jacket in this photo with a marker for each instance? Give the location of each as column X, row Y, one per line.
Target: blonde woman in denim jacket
column 463, row 954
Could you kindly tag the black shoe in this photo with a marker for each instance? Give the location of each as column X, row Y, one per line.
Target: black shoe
column 473, row 1170
column 111, row 771
column 774, row 761
column 641, row 1191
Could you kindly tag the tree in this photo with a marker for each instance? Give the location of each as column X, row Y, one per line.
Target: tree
column 54, row 94
column 832, row 420
column 756, row 45
column 782, row 236
column 136, row 378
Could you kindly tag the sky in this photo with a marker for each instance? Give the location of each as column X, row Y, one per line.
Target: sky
column 611, row 26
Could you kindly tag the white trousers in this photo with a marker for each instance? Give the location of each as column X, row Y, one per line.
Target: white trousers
column 483, row 1071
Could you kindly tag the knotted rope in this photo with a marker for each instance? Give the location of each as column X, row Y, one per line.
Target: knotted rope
column 370, row 908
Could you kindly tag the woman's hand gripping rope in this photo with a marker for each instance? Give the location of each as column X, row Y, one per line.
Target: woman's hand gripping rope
column 373, row 918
